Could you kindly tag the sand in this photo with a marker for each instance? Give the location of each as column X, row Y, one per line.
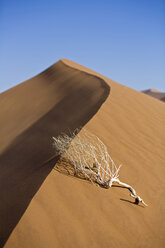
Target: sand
column 41, row 207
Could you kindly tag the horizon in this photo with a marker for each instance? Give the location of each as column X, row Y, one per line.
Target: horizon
column 122, row 40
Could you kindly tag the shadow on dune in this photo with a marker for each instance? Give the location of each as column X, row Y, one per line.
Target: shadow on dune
column 66, row 167
column 131, row 202
column 22, row 165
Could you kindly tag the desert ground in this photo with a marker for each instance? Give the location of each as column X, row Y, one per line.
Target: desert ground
column 41, row 207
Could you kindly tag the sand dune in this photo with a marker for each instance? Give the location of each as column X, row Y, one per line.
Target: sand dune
column 58, row 100
column 155, row 93
column 41, row 207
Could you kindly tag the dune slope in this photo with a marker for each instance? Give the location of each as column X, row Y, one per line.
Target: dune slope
column 66, row 211
column 60, row 99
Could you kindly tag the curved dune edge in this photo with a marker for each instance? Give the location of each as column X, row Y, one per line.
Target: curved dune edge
column 60, row 99
column 38, row 91
column 67, row 212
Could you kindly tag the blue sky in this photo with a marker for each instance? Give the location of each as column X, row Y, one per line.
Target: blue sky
column 121, row 39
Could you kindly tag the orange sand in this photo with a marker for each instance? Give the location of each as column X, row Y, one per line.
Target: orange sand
column 42, row 208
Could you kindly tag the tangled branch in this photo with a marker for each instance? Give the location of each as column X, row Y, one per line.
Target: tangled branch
column 88, row 155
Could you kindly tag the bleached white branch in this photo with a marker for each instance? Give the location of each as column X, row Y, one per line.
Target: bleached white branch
column 89, row 155
column 133, row 192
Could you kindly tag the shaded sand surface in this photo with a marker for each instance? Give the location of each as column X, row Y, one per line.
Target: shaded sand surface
column 45, row 208
column 58, row 100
